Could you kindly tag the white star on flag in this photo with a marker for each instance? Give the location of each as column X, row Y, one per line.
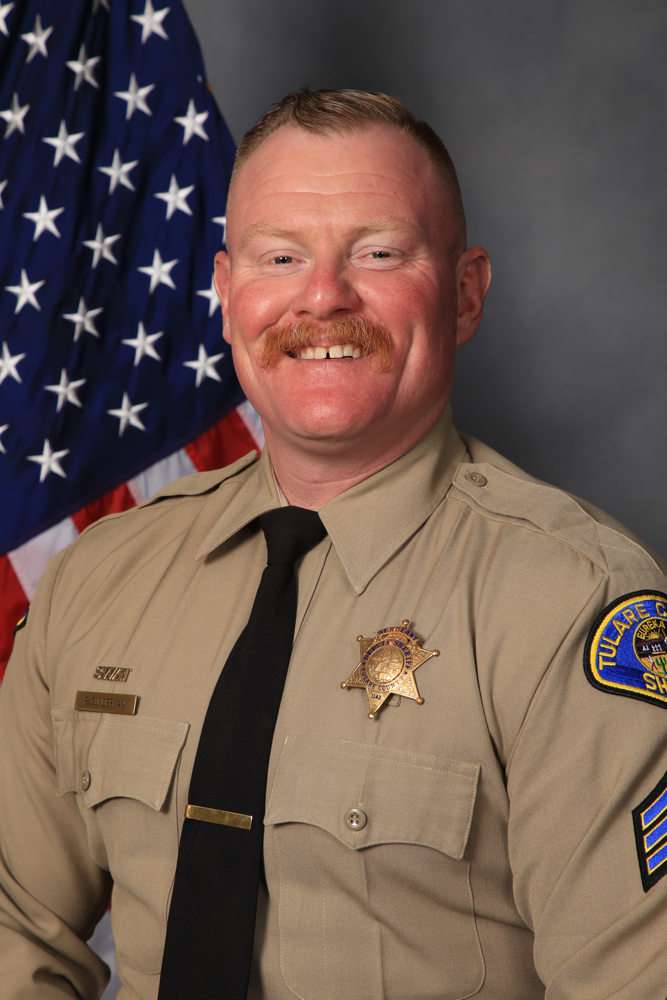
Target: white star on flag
column 101, row 246
column 212, row 296
column 159, row 272
column 118, row 173
column 193, row 123
column 204, row 366
column 43, row 219
column 83, row 319
column 222, row 221
column 175, row 197
column 25, row 293
column 8, row 365
column 143, row 344
column 4, row 426
column 151, row 22
column 36, row 39
column 49, row 461
column 3, row 185
column 14, row 116
column 5, row 8
column 127, row 414
column 135, row 97
column 66, row 390
column 64, row 144
column 83, row 68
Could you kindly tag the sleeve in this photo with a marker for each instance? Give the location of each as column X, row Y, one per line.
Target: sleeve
column 52, row 893
column 585, row 759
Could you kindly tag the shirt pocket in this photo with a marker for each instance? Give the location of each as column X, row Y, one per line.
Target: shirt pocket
column 369, row 845
column 130, row 765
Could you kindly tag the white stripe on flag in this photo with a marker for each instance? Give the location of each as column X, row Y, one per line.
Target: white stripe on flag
column 30, row 560
column 168, row 470
column 253, row 422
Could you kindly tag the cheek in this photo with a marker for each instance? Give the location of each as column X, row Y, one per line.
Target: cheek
column 253, row 307
column 404, row 302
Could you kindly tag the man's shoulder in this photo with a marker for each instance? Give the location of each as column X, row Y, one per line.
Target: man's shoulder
column 499, row 490
column 172, row 508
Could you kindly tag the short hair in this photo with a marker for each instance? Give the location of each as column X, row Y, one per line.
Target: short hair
column 336, row 112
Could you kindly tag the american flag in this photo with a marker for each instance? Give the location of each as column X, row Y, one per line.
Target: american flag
column 114, row 378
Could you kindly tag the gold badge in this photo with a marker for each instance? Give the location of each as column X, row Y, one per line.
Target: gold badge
column 387, row 666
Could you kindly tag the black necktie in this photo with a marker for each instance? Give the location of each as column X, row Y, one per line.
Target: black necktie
column 210, row 931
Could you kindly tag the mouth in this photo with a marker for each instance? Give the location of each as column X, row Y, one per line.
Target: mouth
column 334, row 351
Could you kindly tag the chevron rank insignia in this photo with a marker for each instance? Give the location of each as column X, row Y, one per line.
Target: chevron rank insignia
column 626, row 651
column 650, row 823
column 387, row 666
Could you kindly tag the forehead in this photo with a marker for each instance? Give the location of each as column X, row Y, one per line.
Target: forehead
column 377, row 171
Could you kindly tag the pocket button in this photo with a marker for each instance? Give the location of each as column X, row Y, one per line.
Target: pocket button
column 85, row 781
column 356, row 819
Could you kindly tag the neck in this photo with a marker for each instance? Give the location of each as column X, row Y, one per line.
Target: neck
column 313, row 475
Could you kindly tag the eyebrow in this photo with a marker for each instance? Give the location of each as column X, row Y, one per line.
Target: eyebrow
column 381, row 225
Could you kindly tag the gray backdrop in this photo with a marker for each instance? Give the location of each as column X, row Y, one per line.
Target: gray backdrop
column 554, row 113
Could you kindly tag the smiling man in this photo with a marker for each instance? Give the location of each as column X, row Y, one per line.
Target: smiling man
column 386, row 716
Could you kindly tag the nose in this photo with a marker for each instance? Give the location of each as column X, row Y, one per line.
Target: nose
column 326, row 292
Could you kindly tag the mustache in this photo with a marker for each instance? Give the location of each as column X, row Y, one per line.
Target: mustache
column 291, row 337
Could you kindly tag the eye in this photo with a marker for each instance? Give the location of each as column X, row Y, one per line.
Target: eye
column 283, row 259
column 380, row 254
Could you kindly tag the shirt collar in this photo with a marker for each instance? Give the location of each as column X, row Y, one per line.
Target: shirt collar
column 369, row 522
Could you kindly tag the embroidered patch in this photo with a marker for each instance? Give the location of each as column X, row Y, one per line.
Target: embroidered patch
column 21, row 622
column 626, row 650
column 650, row 822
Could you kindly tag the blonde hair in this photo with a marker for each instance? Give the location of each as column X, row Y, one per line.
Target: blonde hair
column 336, row 112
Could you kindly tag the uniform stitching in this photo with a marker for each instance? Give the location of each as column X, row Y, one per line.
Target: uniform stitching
column 408, row 763
column 360, row 847
column 479, row 943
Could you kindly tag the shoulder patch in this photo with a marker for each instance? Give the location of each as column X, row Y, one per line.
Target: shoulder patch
column 626, row 650
column 22, row 621
column 650, row 823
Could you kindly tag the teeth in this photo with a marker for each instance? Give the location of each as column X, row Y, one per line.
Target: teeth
column 334, row 351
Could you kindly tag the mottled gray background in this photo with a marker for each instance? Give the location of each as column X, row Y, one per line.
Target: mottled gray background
column 555, row 114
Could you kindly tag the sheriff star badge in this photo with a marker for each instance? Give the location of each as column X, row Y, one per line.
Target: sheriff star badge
column 387, row 665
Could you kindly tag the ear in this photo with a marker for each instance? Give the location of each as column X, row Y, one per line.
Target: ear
column 221, row 281
column 473, row 277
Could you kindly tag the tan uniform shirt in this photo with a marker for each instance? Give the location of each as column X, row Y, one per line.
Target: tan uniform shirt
column 498, row 858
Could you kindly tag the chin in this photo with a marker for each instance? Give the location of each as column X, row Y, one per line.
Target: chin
column 319, row 421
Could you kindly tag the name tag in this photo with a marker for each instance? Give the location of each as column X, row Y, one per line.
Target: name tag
column 117, row 704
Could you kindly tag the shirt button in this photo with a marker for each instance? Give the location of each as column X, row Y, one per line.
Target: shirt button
column 85, row 780
column 476, row 478
column 356, row 819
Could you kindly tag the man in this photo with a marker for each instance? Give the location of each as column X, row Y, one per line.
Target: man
column 488, row 825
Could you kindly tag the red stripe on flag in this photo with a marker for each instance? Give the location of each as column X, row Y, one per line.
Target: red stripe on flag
column 14, row 603
column 223, row 444
column 111, row 503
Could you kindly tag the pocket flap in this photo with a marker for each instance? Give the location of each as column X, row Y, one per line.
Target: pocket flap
column 407, row 797
column 126, row 757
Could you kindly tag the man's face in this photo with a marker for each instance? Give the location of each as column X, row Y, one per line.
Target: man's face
column 328, row 235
